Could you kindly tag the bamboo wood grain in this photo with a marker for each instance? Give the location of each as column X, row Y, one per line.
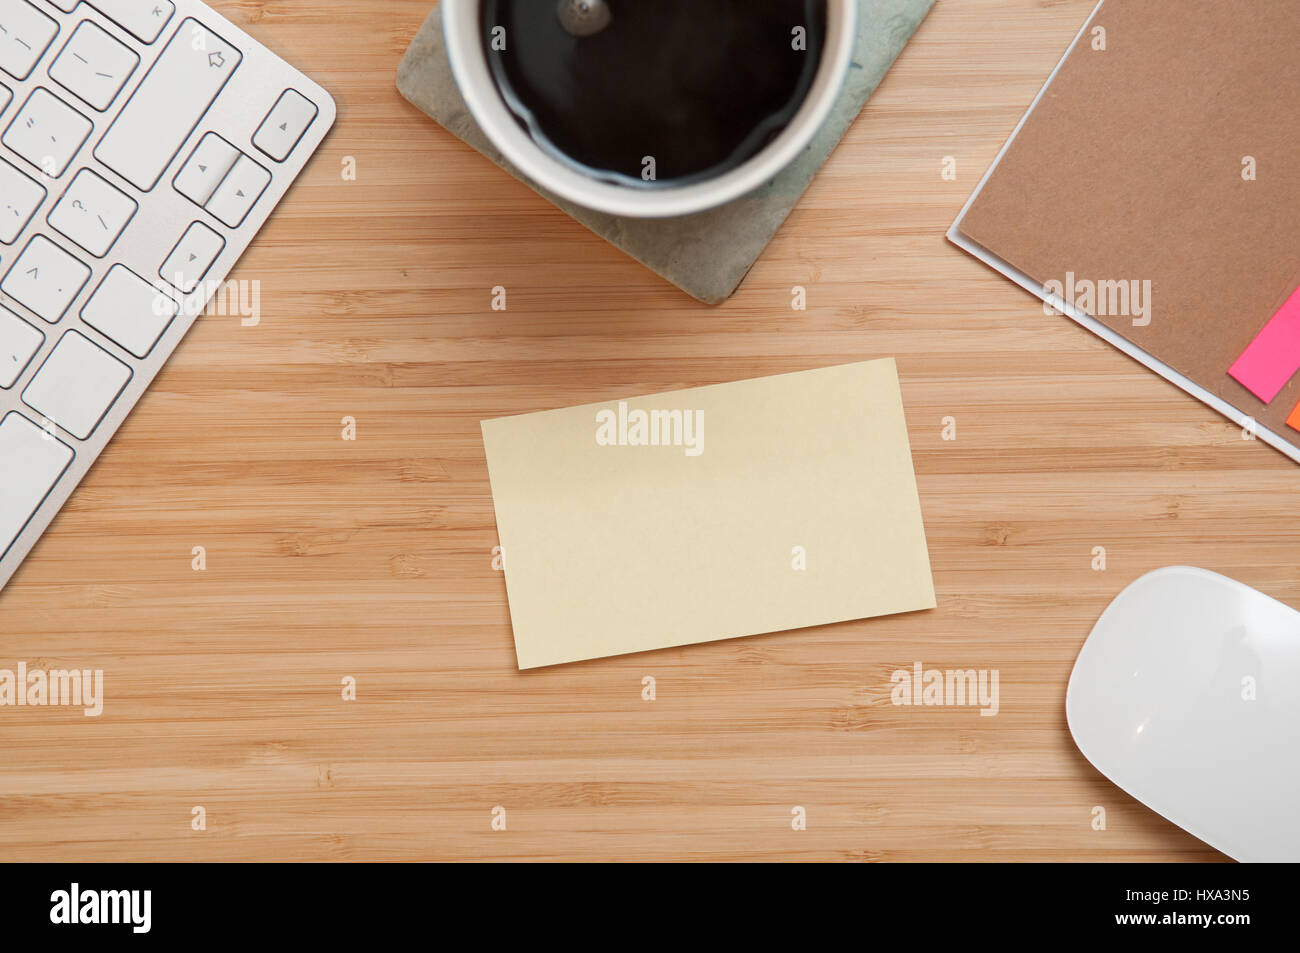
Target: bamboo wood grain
column 373, row 558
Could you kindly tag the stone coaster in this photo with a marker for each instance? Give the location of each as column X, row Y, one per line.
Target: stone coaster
column 707, row 255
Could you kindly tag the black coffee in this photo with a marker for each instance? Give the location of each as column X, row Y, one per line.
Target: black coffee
column 664, row 91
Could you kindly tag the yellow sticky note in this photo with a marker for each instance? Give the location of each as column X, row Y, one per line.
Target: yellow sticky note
column 708, row 513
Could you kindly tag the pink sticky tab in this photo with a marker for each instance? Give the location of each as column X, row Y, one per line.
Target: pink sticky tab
column 1274, row 357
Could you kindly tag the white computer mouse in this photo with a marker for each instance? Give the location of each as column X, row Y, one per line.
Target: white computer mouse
column 1187, row 696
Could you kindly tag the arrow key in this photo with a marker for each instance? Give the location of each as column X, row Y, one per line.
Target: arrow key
column 285, row 124
column 211, row 160
column 238, row 192
column 192, row 257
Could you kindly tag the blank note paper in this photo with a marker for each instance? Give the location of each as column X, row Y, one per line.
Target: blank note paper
column 708, row 513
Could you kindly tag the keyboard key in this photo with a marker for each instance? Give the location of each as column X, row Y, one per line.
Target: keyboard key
column 20, row 197
column 168, row 104
column 47, row 132
column 77, row 385
column 129, row 311
column 31, row 462
column 192, row 257
column 19, row 342
column 93, row 213
column 238, row 191
column 45, row 279
column 25, row 35
column 93, row 66
column 211, row 160
column 285, row 124
column 143, row 19
column 6, row 97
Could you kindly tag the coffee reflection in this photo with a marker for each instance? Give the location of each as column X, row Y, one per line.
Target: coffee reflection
column 654, row 92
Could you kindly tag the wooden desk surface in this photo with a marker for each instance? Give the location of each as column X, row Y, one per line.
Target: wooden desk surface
column 373, row 558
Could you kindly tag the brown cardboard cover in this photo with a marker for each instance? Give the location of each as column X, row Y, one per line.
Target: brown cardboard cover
column 1131, row 168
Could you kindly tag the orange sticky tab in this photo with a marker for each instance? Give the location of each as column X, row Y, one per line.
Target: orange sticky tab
column 1294, row 420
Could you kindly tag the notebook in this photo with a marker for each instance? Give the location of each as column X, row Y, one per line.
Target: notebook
column 1152, row 193
column 708, row 513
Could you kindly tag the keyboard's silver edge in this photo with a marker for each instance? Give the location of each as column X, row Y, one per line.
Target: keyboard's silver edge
column 285, row 174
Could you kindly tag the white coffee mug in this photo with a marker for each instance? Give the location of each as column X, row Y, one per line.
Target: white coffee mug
column 465, row 50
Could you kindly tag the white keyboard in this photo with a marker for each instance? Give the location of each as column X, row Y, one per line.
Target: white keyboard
column 143, row 143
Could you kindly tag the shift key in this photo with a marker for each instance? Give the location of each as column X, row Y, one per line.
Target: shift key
column 168, row 104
